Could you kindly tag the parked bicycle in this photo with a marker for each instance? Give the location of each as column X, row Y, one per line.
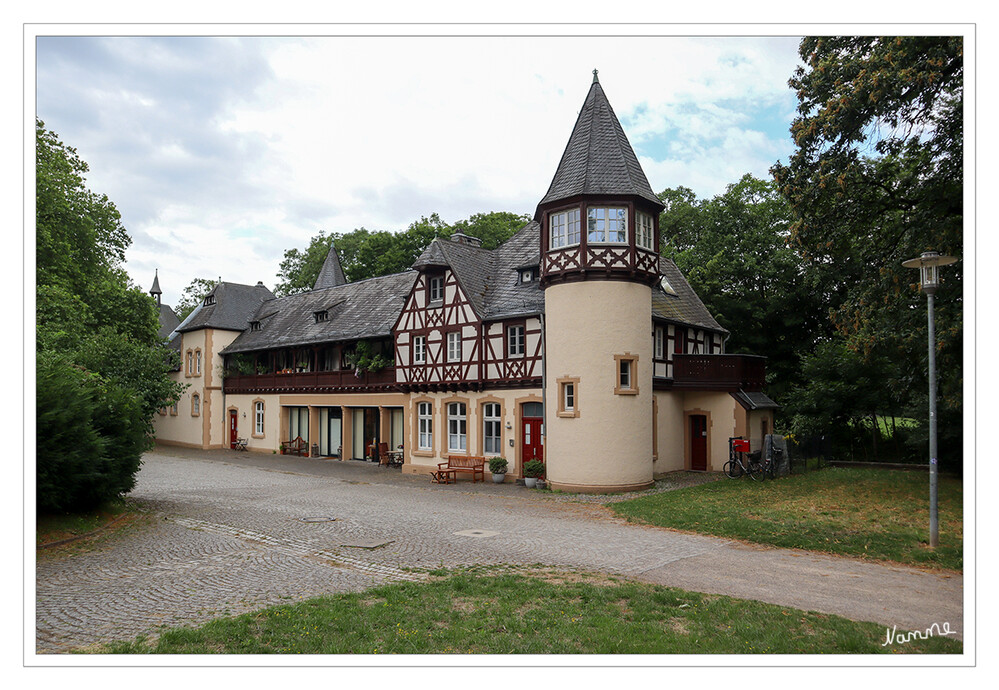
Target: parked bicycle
column 741, row 462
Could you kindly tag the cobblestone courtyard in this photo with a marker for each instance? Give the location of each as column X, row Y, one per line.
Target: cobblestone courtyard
column 232, row 532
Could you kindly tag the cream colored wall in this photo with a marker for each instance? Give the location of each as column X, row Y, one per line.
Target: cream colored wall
column 669, row 432
column 608, row 445
column 420, row 462
column 755, row 418
column 723, row 414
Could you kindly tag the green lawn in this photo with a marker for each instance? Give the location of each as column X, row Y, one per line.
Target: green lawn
column 871, row 513
column 533, row 613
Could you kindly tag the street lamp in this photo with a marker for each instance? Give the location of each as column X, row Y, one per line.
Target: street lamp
column 929, row 264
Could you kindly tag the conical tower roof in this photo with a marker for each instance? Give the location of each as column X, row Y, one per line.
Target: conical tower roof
column 598, row 159
column 155, row 289
column 331, row 274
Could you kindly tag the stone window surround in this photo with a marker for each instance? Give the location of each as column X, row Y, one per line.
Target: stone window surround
column 632, row 388
column 562, row 410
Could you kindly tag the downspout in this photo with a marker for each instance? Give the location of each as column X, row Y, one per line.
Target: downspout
column 544, row 387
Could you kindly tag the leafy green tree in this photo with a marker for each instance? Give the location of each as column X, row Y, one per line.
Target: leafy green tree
column 877, row 178
column 734, row 251
column 193, row 295
column 492, row 228
column 102, row 371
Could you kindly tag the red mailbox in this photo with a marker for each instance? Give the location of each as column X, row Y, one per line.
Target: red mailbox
column 740, row 445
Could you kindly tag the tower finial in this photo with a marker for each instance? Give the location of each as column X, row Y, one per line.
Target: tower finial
column 595, row 80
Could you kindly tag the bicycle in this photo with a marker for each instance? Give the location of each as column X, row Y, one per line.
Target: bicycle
column 735, row 467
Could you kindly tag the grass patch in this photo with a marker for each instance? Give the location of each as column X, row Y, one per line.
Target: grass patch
column 53, row 528
column 517, row 614
column 870, row 513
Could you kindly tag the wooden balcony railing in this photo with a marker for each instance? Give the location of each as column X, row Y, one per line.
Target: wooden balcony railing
column 719, row 372
column 310, row 382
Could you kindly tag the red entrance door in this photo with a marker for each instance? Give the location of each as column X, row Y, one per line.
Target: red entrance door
column 233, row 428
column 698, row 442
column 532, row 445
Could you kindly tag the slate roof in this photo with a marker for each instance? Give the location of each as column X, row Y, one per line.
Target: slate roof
column 682, row 305
column 331, row 274
column 365, row 309
column 755, row 400
column 598, row 158
column 234, row 303
column 168, row 321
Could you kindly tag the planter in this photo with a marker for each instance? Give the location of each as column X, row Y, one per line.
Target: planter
column 530, row 482
column 498, row 478
column 540, row 484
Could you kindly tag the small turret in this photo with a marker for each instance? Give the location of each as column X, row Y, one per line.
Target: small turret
column 155, row 289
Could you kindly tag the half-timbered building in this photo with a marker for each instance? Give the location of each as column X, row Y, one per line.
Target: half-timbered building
column 573, row 342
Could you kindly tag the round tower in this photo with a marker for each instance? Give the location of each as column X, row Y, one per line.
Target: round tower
column 599, row 259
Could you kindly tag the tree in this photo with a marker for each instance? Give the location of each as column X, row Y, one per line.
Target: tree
column 877, row 179
column 366, row 254
column 193, row 295
column 734, row 251
column 101, row 370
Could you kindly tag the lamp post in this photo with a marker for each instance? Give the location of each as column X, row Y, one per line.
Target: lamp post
column 929, row 264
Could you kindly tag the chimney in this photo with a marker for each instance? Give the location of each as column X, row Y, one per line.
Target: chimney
column 462, row 238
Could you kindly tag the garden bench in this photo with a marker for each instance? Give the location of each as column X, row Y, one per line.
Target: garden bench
column 465, row 463
column 296, row 446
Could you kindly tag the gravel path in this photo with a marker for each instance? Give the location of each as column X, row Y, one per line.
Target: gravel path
column 237, row 531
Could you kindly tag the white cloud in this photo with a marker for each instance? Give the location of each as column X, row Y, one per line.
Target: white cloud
column 222, row 153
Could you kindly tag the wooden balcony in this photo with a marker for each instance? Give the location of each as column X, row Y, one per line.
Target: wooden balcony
column 719, row 372
column 343, row 381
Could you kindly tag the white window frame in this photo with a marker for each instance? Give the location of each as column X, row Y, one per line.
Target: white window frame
column 645, row 231
column 626, row 375
column 425, row 426
column 457, row 427
column 197, row 362
column 419, row 349
column 435, row 285
column 563, row 228
column 601, row 235
column 660, row 338
column 516, row 340
column 454, row 346
column 492, row 420
column 258, row 418
column 569, row 396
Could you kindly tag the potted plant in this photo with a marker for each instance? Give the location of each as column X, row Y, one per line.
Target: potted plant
column 533, row 470
column 497, row 466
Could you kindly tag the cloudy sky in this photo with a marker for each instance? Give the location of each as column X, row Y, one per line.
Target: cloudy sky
column 222, row 152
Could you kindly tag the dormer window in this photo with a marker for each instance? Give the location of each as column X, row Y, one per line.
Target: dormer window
column 322, row 316
column 209, row 300
column 254, row 325
column 527, row 275
column 435, row 289
column 607, row 225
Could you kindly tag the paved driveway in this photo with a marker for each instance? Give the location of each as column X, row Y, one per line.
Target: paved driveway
column 237, row 531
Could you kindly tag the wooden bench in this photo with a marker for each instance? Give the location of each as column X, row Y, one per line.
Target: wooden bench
column 240, row 444
column 465, row 463
column 297, row 446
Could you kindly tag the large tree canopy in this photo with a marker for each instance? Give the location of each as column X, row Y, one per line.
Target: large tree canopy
column 877, row 178
column 365, row 254
column 101, row 371
column 734, row 250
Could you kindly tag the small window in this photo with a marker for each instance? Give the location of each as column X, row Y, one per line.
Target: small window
column 197, row 362
column 435, row 290
column 420, row 349
column 254, row 325
column 209, row 300
column 564, row 228
column 627, row 374
column 195, row 405
column 644, row 231
column 173, row 410
column 527, row 276
column 454, row 346
column 568, row 400
column 425, row 422
column 258, row 418
column 457, row 432
column 190, row 363
column 515, row 341
column 659, row 342
column 322, row 316
column 607, row 225
column 492, row 429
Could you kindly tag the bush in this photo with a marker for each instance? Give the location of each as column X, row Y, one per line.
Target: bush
column 497, row 465
column 89, row 440
column 534, row 468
